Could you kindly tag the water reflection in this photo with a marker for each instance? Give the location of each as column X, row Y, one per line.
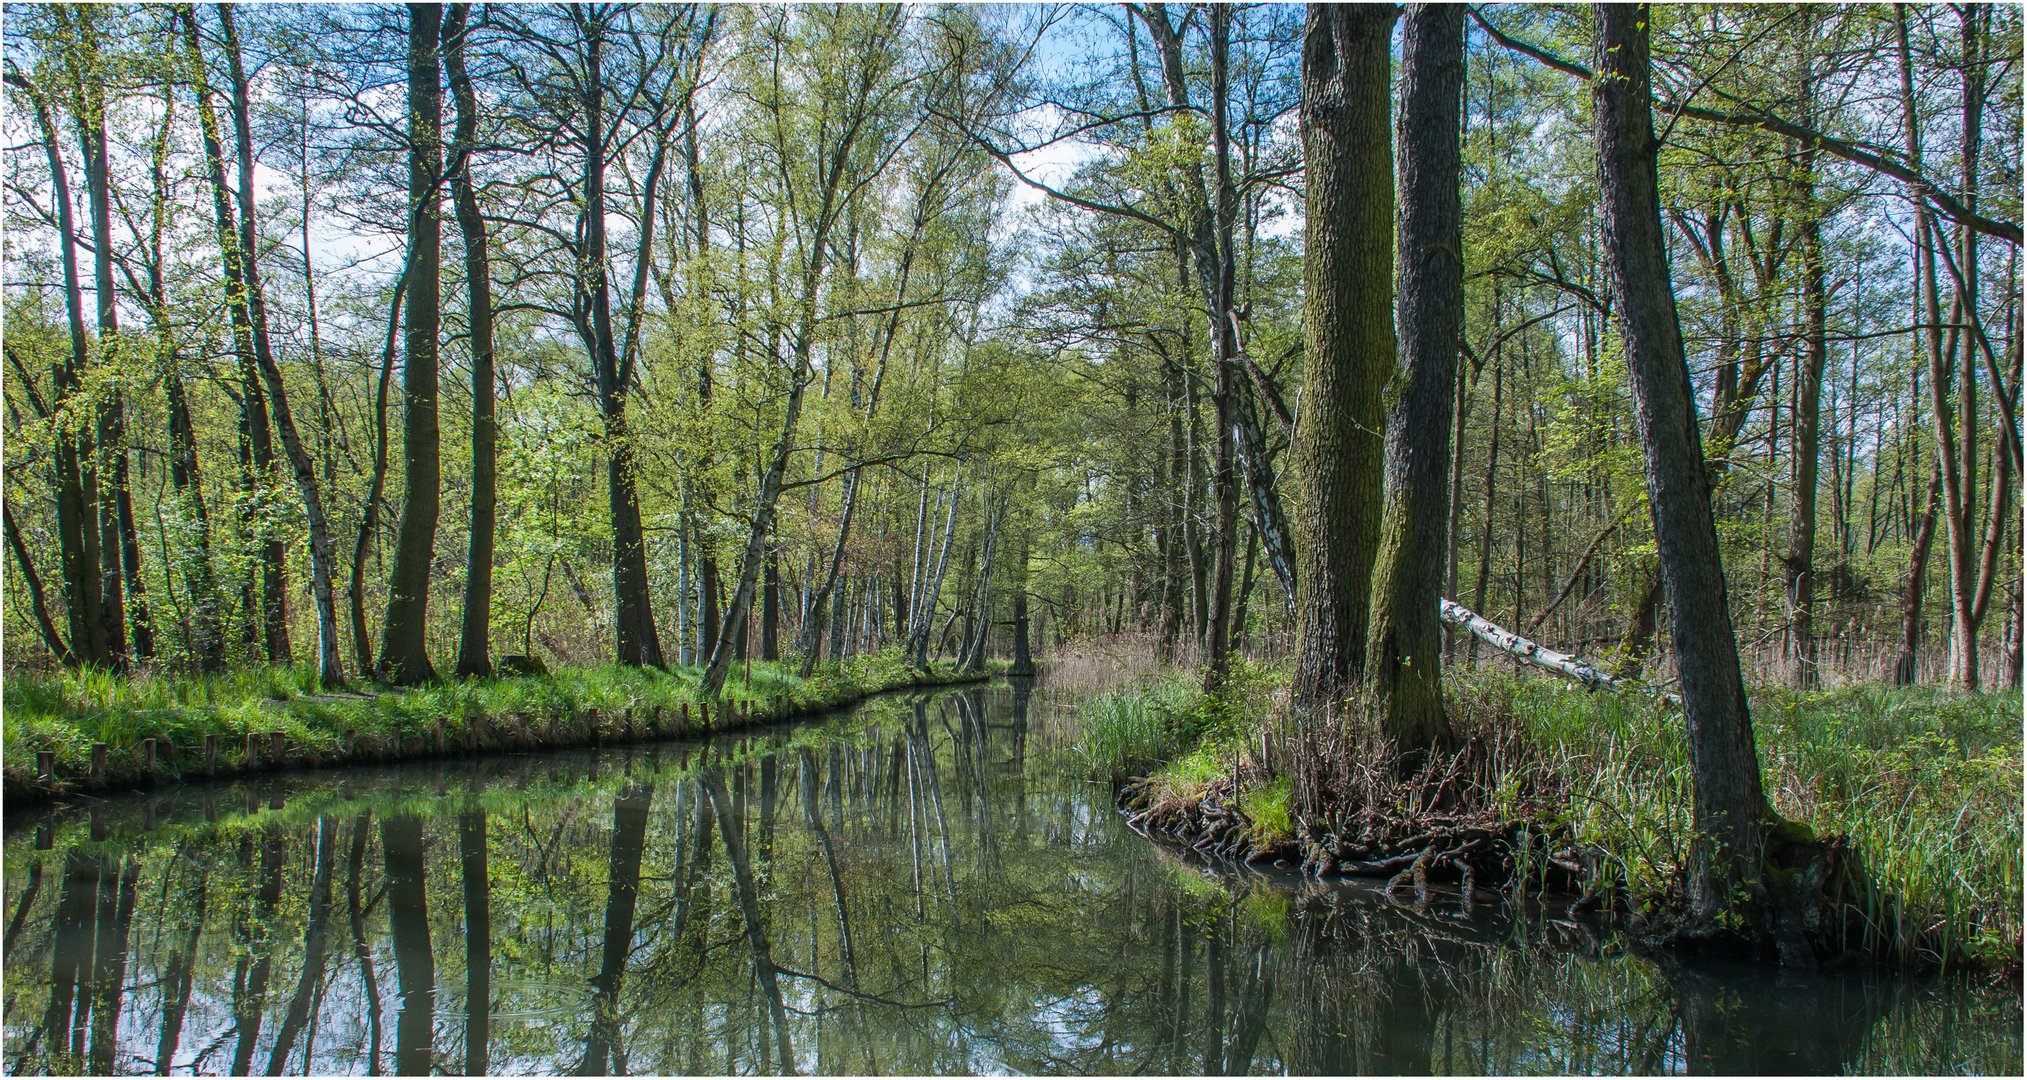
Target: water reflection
column 918, row 888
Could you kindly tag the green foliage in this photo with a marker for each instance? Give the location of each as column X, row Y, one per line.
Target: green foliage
column 1270, row 808
column 1925, row 783
column 69, row 711
column 1169, row 720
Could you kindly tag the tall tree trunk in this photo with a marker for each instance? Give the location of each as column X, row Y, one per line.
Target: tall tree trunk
column 1349, row 331
column 1799, row 561
column 1404, row 664
column 330, row 663
column 636, row 642
column 376, row 486
column 474, row 653
column 77, row 539
column 204, row 632
column 106, row 469
column 266, row 617
column 404, row 640
column 1956, row 435
column 1730, row 810
column 1914, row 585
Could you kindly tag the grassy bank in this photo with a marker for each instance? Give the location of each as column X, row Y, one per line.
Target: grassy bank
column 69, row 712
column 1925, row 783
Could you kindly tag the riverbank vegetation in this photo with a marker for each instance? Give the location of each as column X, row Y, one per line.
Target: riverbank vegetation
column 68, row 713
column 1654, row 348
column 1926, row 784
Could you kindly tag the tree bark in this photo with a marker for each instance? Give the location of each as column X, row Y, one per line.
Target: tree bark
column 1404, row 663
column 636, row 641
column 474, row 653
column 78, row 540
column 1349, row 339
column 1799, row 561
column 330, row 663
column 404, row 641
column 122, row 603
column 1730, row 810
column 270, row 631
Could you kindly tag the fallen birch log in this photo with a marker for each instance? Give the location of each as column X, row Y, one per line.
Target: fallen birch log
column 1456, row 615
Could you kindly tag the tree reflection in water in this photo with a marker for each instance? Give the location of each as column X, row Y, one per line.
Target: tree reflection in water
column 922, row 887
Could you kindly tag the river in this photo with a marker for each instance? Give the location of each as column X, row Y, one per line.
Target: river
column 921, row 885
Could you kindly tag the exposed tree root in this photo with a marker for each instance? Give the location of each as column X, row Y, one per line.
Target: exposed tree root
column 1428, row 842
column 1418, row 833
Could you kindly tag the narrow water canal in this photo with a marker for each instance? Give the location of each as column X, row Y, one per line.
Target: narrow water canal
column 921, row 886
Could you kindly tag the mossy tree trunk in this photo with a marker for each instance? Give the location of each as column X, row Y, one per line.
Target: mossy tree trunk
column 1349, row 339
column 1730, row 809
column 1404, row 663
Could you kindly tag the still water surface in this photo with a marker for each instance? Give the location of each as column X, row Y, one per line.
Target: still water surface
column 920, row 886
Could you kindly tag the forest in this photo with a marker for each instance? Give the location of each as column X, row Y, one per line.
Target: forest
column 1324, row 364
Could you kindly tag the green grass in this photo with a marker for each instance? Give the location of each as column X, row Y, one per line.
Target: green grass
column 1926, row 784
column 68, row 712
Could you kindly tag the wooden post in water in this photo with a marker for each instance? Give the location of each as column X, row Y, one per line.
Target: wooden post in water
column 277, row 748
column 98, row 762
column 147, row 761
column 210, row 756
column 252, row 751
column 45, row 766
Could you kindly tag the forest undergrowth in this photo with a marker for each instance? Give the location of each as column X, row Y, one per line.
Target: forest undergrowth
column 1554, row 789
column 67, row 712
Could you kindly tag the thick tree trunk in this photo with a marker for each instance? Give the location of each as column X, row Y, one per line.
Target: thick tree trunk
column 474, row 651
column 1404, row 663
column 1730, row 810
column 1349, row 331
column 404, row 640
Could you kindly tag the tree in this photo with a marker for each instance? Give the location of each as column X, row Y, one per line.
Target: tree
column 404, row 643
column 1349, row 340
column 1404, row 654
column 1731, row 815
column 474, row 654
